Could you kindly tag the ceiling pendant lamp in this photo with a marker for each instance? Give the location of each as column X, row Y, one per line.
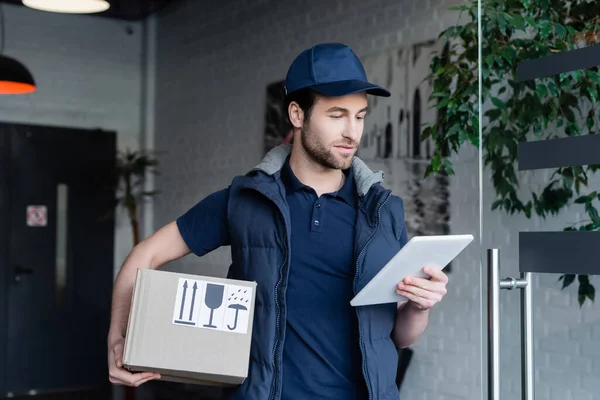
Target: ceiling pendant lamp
column 15, row 78
column 69, row 6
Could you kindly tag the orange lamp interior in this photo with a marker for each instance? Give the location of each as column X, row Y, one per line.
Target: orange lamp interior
column 8, row 87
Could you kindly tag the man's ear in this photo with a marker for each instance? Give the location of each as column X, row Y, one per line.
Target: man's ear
column 296, row 115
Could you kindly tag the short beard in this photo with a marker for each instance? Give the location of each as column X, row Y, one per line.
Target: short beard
column 320, row 154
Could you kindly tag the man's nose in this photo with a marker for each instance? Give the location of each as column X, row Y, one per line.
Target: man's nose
column 352, row 130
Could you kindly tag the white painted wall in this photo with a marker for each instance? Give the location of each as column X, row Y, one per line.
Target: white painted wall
column 89, row 75
column 214, row 61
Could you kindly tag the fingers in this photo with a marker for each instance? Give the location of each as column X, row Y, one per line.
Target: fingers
column 436, row 274
column 424, row 293
column 423, row 285
column 421, row 302
column 119, row 375
column 123, row 377
column 141, row 382
column 435, row 294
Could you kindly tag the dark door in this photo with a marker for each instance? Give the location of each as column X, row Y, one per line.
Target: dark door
column 56, row 256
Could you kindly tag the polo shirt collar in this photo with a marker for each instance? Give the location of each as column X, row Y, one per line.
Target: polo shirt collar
column 292, row 184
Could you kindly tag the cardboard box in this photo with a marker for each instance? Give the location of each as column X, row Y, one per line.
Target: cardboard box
column 190, row 328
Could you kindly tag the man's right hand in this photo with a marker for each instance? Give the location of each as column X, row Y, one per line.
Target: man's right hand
column 118, row 374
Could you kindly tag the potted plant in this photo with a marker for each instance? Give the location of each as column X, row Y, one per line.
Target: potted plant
column 131, row 171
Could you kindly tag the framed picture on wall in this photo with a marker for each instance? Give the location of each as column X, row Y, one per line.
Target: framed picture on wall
column 278, row 129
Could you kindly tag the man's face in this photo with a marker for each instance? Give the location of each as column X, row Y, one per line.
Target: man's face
column 332, row 135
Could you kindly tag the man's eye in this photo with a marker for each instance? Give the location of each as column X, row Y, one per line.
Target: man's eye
column 336, row 116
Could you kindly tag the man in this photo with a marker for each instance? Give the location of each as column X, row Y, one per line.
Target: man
column 311, row 224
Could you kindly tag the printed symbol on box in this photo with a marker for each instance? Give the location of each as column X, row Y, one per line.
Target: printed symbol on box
column 186, row 309
column 37, row 216
column 211, row 314
column 238, row 302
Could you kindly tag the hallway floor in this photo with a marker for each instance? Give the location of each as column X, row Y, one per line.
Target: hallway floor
column 149, row 391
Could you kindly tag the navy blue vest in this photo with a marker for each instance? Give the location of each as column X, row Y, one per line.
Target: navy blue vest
column 259, row 227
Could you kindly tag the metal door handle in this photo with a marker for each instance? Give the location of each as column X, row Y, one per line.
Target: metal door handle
column 21, row 271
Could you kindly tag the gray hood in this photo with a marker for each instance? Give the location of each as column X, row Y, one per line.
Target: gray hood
column 363, row 175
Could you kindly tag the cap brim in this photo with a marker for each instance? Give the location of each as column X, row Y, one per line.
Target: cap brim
column 343, row 88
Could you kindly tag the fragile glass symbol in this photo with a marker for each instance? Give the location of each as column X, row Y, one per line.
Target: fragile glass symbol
column 213, row 300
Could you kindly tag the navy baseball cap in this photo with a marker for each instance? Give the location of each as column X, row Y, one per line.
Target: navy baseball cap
column 331, row 69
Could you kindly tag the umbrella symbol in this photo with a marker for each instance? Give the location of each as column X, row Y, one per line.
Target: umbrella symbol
column 237, row 308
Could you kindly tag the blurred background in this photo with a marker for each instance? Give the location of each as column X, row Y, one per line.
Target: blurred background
column 118, row 116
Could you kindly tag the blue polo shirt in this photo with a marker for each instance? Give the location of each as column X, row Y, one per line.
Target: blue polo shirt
column 321, row 354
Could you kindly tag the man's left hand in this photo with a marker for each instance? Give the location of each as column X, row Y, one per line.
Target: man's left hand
column 424, row 293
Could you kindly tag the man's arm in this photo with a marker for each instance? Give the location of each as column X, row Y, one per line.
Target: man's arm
column 162, row 247
column 200, row 230
column 412, row 316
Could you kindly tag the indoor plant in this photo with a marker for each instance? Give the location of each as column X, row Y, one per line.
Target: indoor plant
column 562, row 105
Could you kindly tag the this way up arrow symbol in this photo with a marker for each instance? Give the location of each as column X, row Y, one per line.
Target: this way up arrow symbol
column 183, row 300
column 193, row 299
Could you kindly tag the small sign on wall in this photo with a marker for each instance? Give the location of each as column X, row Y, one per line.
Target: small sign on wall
column 37, row 216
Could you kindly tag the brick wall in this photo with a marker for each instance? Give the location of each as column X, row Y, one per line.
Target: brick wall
column 88, row 71
column 214, row 61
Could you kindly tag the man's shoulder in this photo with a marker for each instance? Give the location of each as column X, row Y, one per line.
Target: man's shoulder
column 395, row 207
column 396, row 201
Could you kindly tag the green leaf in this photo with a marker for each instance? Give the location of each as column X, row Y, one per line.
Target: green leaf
column 497, row 203
column 498, row 103
column 592, row 211
column 444, row 102
column 502, row 21
column 560, row 30
column 541, row 90
column 591, row 293
column 593, row 92
column 509, row 54
column 545, row 28
column 463, row 135
column 493, row 114
column 585, row 290
column 582, row 200
column 594, row 76
column 452, row 131
column 437, row 94
column 530, row 20
column 448, row 167
column 567, row 280
column 426, row 133
column 518, row 21
column 436, row 162
column 553, row 89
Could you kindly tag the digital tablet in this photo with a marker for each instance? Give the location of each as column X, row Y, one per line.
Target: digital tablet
column 420, row 251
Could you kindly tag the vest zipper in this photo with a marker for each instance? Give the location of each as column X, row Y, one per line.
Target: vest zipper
column 360, row 341
column 277, row 306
